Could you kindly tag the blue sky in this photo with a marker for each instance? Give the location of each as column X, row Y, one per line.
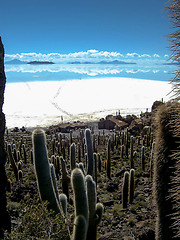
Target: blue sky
column 75, row 29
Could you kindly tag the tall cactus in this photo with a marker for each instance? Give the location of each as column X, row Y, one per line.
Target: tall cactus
column 131, row 185
column 125, row 190
column 132, row 152
column 12, row 161
column 95, row 209
column 109, row 159
column 79, row 232
column 72, row 156
column 90, row 151
column 42, row 170
column 166, row 176
column 80, row 202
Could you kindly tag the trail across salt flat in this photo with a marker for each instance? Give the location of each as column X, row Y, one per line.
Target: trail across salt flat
column 34, row 104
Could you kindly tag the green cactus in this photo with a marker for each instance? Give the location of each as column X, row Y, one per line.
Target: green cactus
column 80, row 228
column 95, row 210
column 63, row 202
column 131, row 185
column 131, row 152
column 11, row 159
column 143, row 158
column 42, row 170
column 65, row 178
column 24, row 153
column 166, row 176
column 81, row 166
column 72, row 156
column 80, row 197
column 125, row 189
column 90, row 151
column 109, row 159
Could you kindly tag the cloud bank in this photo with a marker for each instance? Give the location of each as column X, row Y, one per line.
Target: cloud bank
column 92, row 55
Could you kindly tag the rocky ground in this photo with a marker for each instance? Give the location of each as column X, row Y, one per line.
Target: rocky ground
column 137, row 221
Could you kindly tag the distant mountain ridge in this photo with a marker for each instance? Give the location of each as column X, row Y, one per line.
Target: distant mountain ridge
column 116, row 62
column 15, row 61
column 40, row 62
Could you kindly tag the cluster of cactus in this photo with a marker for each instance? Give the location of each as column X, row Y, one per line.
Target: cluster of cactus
column 88, row 212
column 128, row 188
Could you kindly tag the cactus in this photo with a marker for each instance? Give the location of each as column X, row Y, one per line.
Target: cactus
column 95, row 168
column 90, row 157
column 42, row 170
column 63, row 202
column 81, row 166
column 79, row 230
column 80, row 197
column 166, row 172
column 20, row 175
column 65, row 178
column 95, row 210
column 131, row 152
column 151, row 159
column 13, row 164
column 72, row 156
column 109, row 159
column 125, row 190
column 99, row 162
column 143, row 158
column 79, row 152
column 24, row 153
column 131, row 185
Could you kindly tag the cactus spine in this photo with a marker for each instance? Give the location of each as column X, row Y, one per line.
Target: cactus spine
column 166, row 172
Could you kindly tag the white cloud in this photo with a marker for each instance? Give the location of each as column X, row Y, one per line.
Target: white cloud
column 156, row 55
column 166, row 56
column 133, row 55
column 89, row 55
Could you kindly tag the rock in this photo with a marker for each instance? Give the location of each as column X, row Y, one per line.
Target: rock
column 155, row 105
column 136, row 126
column 108, row 203
column 111, row 187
